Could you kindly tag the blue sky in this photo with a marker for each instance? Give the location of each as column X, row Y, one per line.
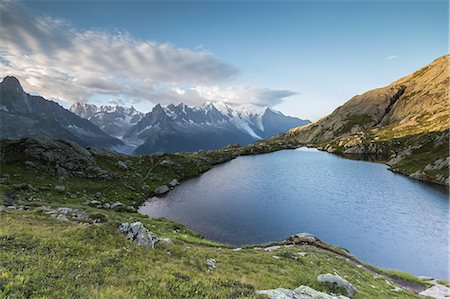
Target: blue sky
column 305, row 58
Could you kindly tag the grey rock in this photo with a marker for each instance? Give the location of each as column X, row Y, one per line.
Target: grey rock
column 303, row 237
column 60, row 188
column 335, row 280
column 62, row 217
column 106, row 205
column 2, row 208
column 161, row 190
column 419, row 175
column 93, row 202
column 211, row 263
column 116, row 205
column 279, row 293
column 437, row 291
column 121, row 165
column 137, row 233
column 166, row 240
column 173, row 183
column 302, row 292
column 98, row 194
column 30, row 164
column 131, row 209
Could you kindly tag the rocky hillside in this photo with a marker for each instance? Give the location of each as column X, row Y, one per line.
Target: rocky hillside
column 405, row 124
column 25, row 115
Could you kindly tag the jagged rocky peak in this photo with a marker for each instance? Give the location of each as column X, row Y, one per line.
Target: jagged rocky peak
column 12, row 83
column 180, row 127
column 113, row 119
column 24, row 115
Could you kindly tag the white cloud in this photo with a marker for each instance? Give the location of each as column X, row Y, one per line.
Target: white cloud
column 392, row 57
column 52, row 58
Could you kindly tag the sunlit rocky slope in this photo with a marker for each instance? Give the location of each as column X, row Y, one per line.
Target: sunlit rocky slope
column 405, row 124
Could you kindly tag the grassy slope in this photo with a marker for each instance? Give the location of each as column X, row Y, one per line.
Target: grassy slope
column 44, row 257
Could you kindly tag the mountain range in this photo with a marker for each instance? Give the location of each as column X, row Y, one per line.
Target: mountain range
column 175, row 128
column 164, row 129
column 209, row 126
column 25, row 115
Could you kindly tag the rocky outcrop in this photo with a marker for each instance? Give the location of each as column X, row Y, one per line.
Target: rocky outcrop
column 161, row 190
column 437, row 291
column 54, row 157
column 137, row 233
column 335, row 281
column 302, row 292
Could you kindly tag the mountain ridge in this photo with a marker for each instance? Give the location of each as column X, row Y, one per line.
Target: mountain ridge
column 175, row 128
column 404, row 124
column 25, row 115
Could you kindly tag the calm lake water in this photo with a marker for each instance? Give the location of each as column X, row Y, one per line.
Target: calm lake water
column 383, row 218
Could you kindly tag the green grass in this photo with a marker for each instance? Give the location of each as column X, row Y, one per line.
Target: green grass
column 42, row 257
column 353, row 120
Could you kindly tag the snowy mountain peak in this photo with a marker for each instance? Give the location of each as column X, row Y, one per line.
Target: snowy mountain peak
column 207, row 126
column 113, row 119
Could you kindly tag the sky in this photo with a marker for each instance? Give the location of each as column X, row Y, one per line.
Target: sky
column 304, row 58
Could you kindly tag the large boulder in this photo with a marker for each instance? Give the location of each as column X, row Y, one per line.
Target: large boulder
column 302, row 237
column 137, row 233
column 302, row 292
column 335, row 281
column 161, row 190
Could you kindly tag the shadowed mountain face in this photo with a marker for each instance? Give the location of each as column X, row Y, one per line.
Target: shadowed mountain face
column 210, row 126
column 24, row 115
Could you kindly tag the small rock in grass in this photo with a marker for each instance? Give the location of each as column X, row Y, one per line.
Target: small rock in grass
column 121, row 165
column 106, row 205
column 62, row 217
column 60, row 188
column 166, row 240
column 303, row 292
column 116, row 205
column 137, row 233
column 211, row 263
column 335, row 280
column 272, row 248
column 131, row 209
column 30, row 164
